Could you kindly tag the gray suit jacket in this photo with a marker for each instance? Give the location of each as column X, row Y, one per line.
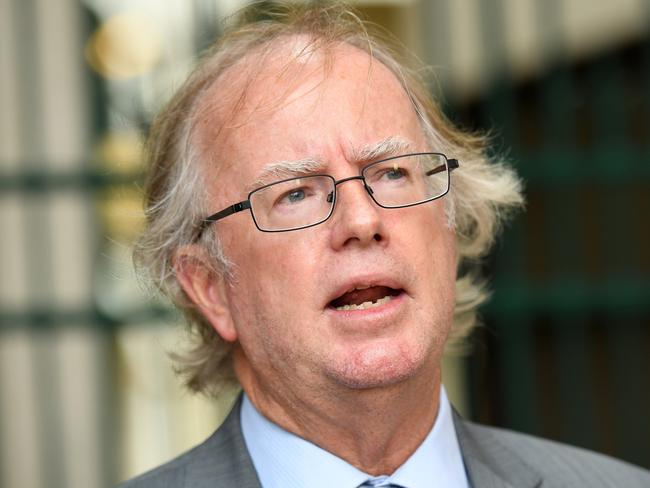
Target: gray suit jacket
column 493, row 458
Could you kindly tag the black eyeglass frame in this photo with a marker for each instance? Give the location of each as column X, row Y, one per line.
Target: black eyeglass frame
column 450, row 165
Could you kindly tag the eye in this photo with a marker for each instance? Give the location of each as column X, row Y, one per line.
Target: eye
column 395, row 173
column 392, row 173
column 387, row 173
column 295, row 195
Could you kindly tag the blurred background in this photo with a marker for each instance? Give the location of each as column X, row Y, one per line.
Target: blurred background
column 87, row 395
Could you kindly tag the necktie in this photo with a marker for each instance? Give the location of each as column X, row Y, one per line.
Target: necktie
column 379, row 482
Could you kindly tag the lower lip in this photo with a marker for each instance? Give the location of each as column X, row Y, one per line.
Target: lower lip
column 377, row 311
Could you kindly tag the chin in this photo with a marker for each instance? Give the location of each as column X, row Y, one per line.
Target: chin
column 377, row 368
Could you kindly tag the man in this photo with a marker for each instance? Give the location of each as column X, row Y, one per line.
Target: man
column 308, row 207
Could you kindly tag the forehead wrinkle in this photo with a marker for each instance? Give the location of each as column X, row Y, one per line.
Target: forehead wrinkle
column 279, row 170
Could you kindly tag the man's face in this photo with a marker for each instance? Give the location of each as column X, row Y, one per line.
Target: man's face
column 286, row 287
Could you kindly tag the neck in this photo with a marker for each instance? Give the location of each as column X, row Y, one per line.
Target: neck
column 374, row 429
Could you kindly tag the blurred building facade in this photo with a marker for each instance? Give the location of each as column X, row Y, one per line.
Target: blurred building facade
column 87, row 395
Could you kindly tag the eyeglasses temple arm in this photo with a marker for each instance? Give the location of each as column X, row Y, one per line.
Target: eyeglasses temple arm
column 237, row 207
column 451, row 164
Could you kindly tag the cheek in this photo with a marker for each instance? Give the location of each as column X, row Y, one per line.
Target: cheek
column 437, row 253
column 437, row 237
column 272, row 297
column 271, row 270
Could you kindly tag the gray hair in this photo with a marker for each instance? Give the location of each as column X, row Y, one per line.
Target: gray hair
column 483, row 194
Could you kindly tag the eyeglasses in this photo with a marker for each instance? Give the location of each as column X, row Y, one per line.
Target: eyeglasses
column 305, row 201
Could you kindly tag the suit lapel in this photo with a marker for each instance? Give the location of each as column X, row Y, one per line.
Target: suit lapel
column 489, row 462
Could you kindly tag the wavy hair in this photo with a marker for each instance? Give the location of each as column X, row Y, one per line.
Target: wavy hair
column 483, row 194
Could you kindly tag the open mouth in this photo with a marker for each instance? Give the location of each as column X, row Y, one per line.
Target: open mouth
column 362, row 298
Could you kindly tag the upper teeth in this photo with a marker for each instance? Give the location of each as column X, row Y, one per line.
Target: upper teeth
column 364, row 305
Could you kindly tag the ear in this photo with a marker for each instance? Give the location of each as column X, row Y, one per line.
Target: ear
column 206, row 288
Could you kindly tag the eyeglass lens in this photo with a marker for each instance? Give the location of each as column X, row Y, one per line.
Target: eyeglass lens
column 396, row 182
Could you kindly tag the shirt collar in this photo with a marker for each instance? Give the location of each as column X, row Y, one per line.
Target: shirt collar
column 284, row 460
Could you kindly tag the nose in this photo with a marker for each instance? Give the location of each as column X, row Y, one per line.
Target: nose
column 357, row 219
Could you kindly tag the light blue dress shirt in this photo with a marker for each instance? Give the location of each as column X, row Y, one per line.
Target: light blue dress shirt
column 284, row 460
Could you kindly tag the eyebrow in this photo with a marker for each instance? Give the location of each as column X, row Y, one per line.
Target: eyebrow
column 280, row 170
column 391, row 146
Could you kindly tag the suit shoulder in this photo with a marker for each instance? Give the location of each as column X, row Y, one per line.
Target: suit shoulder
column 207, row 463
column 564, row 465
column 221, row 460
column 168, row 475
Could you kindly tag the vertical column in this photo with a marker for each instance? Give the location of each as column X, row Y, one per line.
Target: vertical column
column 72, row 372
column 20, row 433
